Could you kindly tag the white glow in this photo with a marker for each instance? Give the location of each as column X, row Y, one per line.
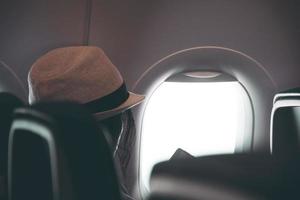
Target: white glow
column 201, row 118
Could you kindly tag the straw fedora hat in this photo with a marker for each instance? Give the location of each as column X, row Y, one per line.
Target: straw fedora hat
column 81, row 74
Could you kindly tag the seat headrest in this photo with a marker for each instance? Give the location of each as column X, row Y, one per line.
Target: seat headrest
column 285, row 124
column 75, row 154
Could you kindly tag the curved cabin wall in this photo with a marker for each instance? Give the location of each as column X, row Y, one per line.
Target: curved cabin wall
column 248, row 72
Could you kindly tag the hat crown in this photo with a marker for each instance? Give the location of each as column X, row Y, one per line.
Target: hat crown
column 81, row 74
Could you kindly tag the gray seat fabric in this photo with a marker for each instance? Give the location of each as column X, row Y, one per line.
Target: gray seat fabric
column 57, row 151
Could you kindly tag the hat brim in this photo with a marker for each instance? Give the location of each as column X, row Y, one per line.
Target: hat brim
column 133, row 100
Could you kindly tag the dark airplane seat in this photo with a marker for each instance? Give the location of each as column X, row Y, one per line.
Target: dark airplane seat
column 56, row 152
column 8, row 103
column 237, row 176
column 285, row 124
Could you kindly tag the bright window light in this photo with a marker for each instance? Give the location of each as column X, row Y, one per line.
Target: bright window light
column 202, row 118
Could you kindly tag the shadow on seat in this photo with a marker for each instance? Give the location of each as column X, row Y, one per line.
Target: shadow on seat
column 57, row 151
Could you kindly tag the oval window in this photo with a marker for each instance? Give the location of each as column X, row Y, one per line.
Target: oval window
column 201, row 118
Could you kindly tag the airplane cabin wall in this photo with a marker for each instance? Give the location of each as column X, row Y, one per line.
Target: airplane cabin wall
column 135, row 34
column 31, row 28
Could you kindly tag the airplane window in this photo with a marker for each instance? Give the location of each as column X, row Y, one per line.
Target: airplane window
column 201, row 118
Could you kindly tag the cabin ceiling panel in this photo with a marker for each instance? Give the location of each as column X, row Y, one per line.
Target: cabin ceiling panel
column 136, row 34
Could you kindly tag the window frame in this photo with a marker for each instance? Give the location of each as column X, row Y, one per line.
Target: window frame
column 251, row 74
column 242, row 140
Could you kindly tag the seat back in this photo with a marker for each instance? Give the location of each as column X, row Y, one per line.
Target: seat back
column 60, row 152
column 236, row 176
column 8, row 103
column 285, row 124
